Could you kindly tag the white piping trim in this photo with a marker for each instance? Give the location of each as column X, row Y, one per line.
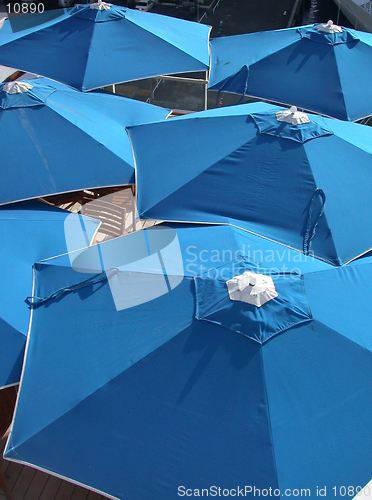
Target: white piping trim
column 250, row 232
column 36, row 197
column 28, row 332
column 363, row 118
column 96, row 230
column 24, row 361
column 357, row 257
column 267, row 100
column 135, row 177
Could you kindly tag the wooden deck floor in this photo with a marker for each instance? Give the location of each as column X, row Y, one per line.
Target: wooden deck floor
column 26, row 483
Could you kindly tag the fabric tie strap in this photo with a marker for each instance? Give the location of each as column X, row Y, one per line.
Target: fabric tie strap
column 241, row 71
column 36, row 302
column 310, row 232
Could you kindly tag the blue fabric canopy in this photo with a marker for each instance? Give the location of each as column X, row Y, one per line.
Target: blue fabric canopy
column 192, row 390
column 306, row 185
column 317, row 71
column 88, row 48
column 56, row 140
column 31, row 231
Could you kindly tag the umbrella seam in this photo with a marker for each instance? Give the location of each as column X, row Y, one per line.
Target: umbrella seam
column 269, row 416
column 343, row 336
column 72, row 405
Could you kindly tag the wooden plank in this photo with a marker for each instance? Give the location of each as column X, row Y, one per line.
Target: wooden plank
column 65, row 491
column 51, row 488
column 79, row 493
column 12, row 473
column 36, row 486
column 5, row 464
column 4, row 486
column 23, row 482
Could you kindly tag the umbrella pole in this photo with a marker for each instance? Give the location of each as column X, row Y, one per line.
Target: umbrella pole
column 206, row 91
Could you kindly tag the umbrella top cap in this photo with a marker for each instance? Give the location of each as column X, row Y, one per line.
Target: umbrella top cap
column 292, row 116
column 329, row 27
column 291, row 124
column 252, row 288
column 100, row 5
column 24, row 94
column 328, row 33
column 99, row 12
column 16, row 87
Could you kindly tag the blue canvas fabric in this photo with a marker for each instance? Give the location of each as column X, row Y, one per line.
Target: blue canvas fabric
column 56, row 140
column 155, row 397
column 304, row 186
column 317, row 71
column 88, row 48
column 288, row 310
column 32, row 230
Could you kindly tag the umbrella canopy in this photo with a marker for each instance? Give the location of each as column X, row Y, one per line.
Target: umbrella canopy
column 193, row 390
column 305, row 185
column 100, row 44
column 31, row 231
column 321, row 71
column 55, row 140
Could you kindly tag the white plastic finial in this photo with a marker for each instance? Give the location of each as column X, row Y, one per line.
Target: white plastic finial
column 252, row 288
column 16, row 87
column 100, row 5
column 292, row 116
column 2, row 22
column 329, row 27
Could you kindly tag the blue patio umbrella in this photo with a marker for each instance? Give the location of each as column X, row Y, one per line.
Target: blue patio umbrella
column 100, row 44
column 31, row 230
column 193, row 390
column 56, row 140
column 315, row 70
column 303, row 185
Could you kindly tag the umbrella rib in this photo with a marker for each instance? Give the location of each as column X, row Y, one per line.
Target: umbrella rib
column 268, row 415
